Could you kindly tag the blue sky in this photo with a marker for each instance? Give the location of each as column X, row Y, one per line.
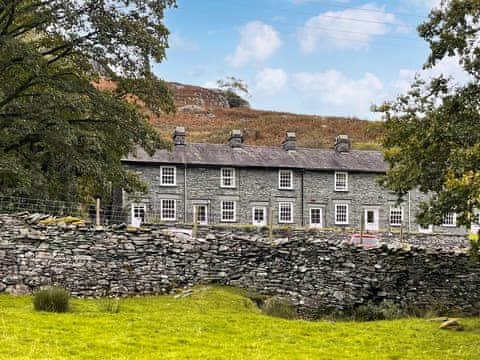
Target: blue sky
column 325, row 57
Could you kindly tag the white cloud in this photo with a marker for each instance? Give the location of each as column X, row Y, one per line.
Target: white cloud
column 337, row 29
column 428, row 4
column 258, row 42
column 270, row 81
column 179, row 42
column 354, row 96
column 449, row 67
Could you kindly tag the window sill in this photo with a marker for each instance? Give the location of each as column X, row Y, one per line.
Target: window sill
column 168, row 185
column 227, row 187
column 286, row 189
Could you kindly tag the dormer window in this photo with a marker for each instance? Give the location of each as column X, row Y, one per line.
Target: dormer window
column 227, row 177
column 341, row 181
column 285, row 180
column 168, row 175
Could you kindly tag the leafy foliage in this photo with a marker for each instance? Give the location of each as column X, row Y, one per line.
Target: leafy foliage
column 433, row 131
column 53, row 299
column 60, row 137
column 235, row 100
column 231, row 87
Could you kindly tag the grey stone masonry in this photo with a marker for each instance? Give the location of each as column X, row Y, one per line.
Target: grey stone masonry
column 345, row 195
column 314, row 269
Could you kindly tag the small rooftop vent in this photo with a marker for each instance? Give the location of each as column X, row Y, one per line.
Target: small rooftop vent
column 342, row 143
column 290, row 142
column 179, row 136
column 236, row 139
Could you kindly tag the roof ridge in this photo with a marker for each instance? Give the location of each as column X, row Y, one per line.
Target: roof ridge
column 279, row 147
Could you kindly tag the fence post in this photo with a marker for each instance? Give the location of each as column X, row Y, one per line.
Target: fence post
column 401, row 232
column 362, row 221
column 98, row 212
column 270, row 224
column 195, row 227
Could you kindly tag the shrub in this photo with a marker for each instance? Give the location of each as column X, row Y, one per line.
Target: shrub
column 109, row 305
column 279, row 307
column 386, row 310
column 52, row 299
column 235, row 100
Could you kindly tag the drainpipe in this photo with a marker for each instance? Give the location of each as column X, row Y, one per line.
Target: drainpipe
column 301, row 200
column 185, row 208
column 409, row 213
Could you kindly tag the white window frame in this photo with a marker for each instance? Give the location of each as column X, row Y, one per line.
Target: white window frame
column 346, row 181
column 390, row 216
column 162, row 217
column 280, row 205
column 162, row 169
column 290, row 172
column 454, row 219
column 347, row 209
column 425, row 230
column 264, row 209
column 232, row 177
column 222, row 211
column 316, row 225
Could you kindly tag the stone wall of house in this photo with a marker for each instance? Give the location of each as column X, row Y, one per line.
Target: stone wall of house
column 259, row 188
column 314, row 269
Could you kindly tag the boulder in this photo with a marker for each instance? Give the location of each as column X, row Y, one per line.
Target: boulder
column 451, row 324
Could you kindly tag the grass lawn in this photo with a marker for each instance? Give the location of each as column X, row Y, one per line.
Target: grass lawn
column 216, row 324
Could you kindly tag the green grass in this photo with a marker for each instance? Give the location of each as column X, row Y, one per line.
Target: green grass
column 216, row 324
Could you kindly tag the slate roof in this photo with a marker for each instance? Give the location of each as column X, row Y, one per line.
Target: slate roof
column 262, row 156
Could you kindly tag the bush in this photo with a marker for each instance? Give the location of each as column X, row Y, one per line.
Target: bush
column 52, row 299
column 235, row 100
column 109, row 305
column 279, row 307
column 386, row 310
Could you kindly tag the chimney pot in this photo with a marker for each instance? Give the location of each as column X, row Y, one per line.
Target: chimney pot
column 290, row 142
column 342, row 143
column 236, row 139
column 179, row 136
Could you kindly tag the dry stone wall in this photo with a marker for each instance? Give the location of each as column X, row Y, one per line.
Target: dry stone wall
column 315, row 270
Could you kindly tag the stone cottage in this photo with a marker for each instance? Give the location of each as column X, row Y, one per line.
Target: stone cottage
column 234, row 183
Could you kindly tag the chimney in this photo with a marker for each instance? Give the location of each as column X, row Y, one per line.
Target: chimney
column 236, row 138
column 342, row 143
column 179, row 136
column 290, row 142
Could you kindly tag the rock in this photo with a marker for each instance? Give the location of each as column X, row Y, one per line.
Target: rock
column 18, row 290
column 192, row 109
column 451, row 324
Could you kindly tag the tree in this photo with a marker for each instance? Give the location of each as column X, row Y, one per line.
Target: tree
column 60, row 137
column 231, row 87
column 433, row 132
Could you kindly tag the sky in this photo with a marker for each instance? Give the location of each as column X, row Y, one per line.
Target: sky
column 323, row 57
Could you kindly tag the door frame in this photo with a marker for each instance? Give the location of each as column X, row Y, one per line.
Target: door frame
column 195, row 210
column 264, row 209
column 132, row 213
column 320, row 225
column 376, row 223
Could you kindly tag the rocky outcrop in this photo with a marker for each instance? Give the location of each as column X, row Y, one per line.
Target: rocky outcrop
column 315, row 270
column 188, row 95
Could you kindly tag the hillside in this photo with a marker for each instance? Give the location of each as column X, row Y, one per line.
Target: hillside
column 207, row 118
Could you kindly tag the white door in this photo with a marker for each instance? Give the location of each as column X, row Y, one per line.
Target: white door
column 138, row 214
column 200, row 214
column 371, row 219
column 316, row 218
column 259, row 216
